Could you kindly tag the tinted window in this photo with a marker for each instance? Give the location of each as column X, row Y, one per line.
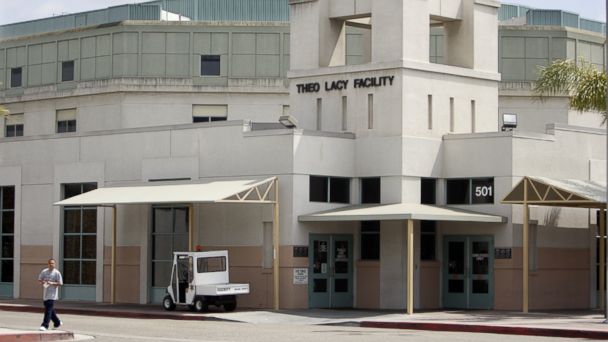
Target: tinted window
column 15, row 77
column 210, row 65
column 458, row 191
column 318, row 189
column 427, row 191
column 427, row 240
column 370, row 190
column 370, row 240
column 66, row 126
column 339, row 191
column 67, row 71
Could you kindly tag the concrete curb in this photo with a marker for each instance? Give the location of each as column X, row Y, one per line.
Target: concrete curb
column 108, row 313
column 490, row 329
column 23, row 336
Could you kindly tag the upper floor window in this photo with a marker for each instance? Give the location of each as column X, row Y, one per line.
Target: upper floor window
column 428, row 188
column 209, row 113
column 210, row 65
column 370, row 190
column 329, row 189
column 13, row 125
column 16, row 75
column 470, row 191
column 67, row 71
column 66, row 120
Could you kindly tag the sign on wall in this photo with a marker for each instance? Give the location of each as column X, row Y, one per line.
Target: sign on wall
column 300, row 276
column 482, row 190
column 357, row 83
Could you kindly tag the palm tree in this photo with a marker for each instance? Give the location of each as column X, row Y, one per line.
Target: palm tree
column 585, row 84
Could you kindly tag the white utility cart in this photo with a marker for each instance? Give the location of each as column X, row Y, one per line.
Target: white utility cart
column 200, row 279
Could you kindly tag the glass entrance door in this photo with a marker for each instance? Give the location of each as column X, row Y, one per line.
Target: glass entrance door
column 468, row 264
column 330, row 283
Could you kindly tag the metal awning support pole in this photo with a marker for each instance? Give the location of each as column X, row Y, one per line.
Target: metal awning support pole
column 602, row 275
column 525, row 270
column 113, row 265
column 275, row 243
column 190, row 225
column 410, row 267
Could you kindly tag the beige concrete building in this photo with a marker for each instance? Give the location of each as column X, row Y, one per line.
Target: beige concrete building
column 390, row 178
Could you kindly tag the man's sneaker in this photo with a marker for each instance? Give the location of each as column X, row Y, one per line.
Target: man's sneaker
column 42, row 328
column 58, row 325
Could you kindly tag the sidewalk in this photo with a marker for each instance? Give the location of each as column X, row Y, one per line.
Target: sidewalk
column 574, row 324
column 10, row 335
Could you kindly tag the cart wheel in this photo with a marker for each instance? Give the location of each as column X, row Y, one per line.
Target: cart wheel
column 230, row 306
column 200, row 305
column 168, row 303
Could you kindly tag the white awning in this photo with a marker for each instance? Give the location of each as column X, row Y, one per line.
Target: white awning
column 558, row 192
column 219, row 191
column 399, row 211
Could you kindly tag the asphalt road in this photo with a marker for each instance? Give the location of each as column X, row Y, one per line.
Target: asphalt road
column 125, row 329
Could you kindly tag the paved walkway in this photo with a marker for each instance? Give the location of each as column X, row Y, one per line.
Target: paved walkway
column 581, row 324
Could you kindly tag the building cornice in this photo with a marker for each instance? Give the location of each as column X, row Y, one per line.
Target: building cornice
column 411, row 65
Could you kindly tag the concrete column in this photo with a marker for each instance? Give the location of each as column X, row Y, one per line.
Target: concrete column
column 473, row 41
column 400, row 30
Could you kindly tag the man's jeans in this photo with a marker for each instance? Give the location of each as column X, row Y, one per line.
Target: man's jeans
column 49, row 314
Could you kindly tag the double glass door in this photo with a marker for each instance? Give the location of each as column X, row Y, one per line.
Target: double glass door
column 468, row 263
column 330, row 271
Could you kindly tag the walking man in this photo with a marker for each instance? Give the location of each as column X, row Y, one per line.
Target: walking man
column 50, row 279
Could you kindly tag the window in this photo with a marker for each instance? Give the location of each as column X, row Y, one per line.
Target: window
column 428, row 234
column 428, row 188
column 210, row 65
column 7, row 233
column 169, row 234
column 13, row 125
column 370, row 111
column 67, row 71
column 16, row 74
column 209, row 113
column 318, row 189
column 428, row 231
column 370, row 240
column 79, row 238
column 370, row 190
column 329, row 189
column 211, row 264
column 470, row 191
column 66, row 120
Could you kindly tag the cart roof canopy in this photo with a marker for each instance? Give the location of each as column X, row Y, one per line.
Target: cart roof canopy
column 213, row 192
column 399, row 211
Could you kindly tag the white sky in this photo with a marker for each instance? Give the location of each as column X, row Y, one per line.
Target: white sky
column 12, row 11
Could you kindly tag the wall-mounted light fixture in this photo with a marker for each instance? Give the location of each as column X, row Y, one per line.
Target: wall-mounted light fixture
column 288, row 121
column 509, row 122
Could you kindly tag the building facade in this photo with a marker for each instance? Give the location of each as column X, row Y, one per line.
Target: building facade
column 393, row 106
